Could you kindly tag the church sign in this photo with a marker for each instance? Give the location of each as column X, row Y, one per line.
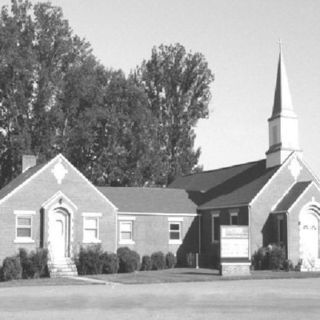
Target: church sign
column 234, row 250
column 234, row 242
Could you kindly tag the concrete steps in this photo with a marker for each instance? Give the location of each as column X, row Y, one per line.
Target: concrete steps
column 62, row 267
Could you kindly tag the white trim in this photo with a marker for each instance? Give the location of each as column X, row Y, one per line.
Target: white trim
column 239, row 205
column 126, row 241
column 97, row 239
column 24, row 212
column 177, row 219
column 171, row 241
column 272, row 178
column 22, row 240
column 92, row 214
column 88, row 182
column 280, row 199
column 178, row 222
column 309, row 169
column 158, row 214
column 301, row 195
column 53, row 199
column 235, row 263
column 127, row 218
column 234, row 213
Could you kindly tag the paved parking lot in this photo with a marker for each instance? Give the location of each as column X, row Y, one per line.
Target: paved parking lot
column 245, row 299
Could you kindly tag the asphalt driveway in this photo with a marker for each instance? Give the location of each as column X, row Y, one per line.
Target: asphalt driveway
column 253, row 299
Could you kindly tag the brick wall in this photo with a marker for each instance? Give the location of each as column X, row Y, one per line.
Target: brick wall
column 41, row 188
column 151, row 234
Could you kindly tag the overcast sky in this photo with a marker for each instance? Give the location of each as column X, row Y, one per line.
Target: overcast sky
column 239, row 40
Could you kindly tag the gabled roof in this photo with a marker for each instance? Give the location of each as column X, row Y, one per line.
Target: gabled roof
column 149, row 200
column 235, row 185
column 291, row 196
column 20, row 179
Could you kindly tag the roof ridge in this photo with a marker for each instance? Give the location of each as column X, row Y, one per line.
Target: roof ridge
column 223, row 168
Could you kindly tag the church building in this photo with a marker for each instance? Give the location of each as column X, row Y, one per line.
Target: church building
column 53, row 205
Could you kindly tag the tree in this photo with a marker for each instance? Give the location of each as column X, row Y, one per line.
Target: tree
column 38, row 52
column 177, row 84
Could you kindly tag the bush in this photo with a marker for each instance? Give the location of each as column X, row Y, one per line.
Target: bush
column 146, row 263
column 89, row 260
column 11, row 268
column 110, row 262
column 158, row 261
column 170, row 260
column 35, row 264
column 129, row 260
column 271, row 257
column 190, row 260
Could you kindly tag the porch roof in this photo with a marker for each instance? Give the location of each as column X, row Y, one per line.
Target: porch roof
column 291, row 196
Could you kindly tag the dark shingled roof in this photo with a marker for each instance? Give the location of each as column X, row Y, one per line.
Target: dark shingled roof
column 16, row 182
column 156, row 200
column 292, row 195
column 235, row 185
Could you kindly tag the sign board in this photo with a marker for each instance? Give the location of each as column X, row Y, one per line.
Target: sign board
column 234, row 242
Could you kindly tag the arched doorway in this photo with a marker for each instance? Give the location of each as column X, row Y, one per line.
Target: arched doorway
column 59, row 232
column 309, row 237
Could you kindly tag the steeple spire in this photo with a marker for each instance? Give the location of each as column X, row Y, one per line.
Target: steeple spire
column 283, row 124
column 282, row 99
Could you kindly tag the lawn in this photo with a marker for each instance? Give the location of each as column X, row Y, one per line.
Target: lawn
column 196, row 275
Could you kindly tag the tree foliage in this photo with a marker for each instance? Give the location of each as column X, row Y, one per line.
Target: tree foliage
column 56, row 97
column 177, row 84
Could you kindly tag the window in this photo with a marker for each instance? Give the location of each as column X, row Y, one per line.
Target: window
column 215, row 226
column 126, row 230
column 234, row 218
column 23, row 226
column 91, row 227
column 280, row 230
column 175, row 226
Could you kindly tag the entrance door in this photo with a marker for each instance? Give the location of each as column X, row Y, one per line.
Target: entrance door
column 59, row 235
column 309, row 236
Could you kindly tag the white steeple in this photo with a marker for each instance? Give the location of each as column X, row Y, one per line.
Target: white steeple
column 283, row 124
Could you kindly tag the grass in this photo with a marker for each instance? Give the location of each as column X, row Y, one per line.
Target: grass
column 42, row 282
column 196, row 275
column 160, row 276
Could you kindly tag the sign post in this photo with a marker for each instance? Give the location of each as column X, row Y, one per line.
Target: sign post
column 234, row 250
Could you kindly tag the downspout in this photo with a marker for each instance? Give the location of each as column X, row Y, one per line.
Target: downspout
column 287, row 234
column 249, row 231
column 116, row 224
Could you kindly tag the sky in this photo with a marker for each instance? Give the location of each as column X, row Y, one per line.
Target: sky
column 240, row 42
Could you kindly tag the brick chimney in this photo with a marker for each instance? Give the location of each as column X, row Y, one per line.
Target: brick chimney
column 28, row 161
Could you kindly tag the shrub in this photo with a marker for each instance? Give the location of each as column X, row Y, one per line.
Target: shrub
column 26, row 264
column 288, row 265
column 158, row 261
column 170, row 260
column 129, row 260
column 34, row 264
column 11, row 268
column 89, row 261
column 271, row 257
column 110, row 262
column 277, row 257
column 146, row 263
column 39, row 260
